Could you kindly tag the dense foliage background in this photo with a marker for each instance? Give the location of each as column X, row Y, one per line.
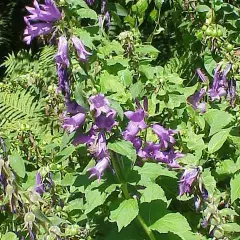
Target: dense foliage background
column 119, row 119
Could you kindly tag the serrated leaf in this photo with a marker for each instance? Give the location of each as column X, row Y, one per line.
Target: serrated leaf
column 209, row 180
column 231, row 227
column 125, row 213
column 147, row 49
column 64, row 154
column 235, row 187
column 79, row 96
column 172, row 222
column 202, row 8
column 226, row 167
column 209, row 63
column 153, row 192
column 218, row 140
column 124, row 148
column 126, row 77
column 117, row 107
column 17, row 164
column 87, row 13
column 94, row 198
column 136, row 89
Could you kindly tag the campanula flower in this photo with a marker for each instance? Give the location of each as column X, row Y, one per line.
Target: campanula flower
column 195, row 99
column 81, row 50
column 149, row 151
column 73, row 107
column 99, row 104
column 188, row 178
column 202, row 75
column 62, row 55
column 232, row 91
column 106, row 122
column 165, row 136
column 39, row 188
column 63, row 84
column 99, row 169
column 74, row 122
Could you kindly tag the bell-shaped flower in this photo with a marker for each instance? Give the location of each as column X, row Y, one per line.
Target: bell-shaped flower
column 35, row 30
column 63, row 84
column 106, row 122
column 188, row 178
column 165, row 136
column 73, row 107
column 99, row 169
column 202, row 75
column 39, row 188
column 74, row 122
column 195, row 99
column 149, row 151
column 99, row 104
column 62, row 54
column 80, row 48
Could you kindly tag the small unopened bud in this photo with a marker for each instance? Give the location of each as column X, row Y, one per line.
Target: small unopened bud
column 55, row 230
column 35, row 197
column 29, row 217
column 9, row 189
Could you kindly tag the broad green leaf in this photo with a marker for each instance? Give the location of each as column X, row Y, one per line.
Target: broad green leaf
column 209, row 180
column 125, row 213
column 147, row 70
column 147, row 49
column 227, row 212
column 79, row 96
column 94, row 198
column 195, row 142
column 76, row 204
column 136, row 89
column 235, row 187
column 174, row 78
column 87, row 13
column 64, row 154
column 85, row 37
column 80, row 3
column 218, row 140
column 68, row 179
column 231, row 227
column 124, row 148
column 110, row 83
column 141, row 6
column 172, row 222
column 154, row 170
column 126, row 77
column 9, row 236
column 209, row 63
column 39, row 215
column 159, row 3
column 17, row 164
column 153, row 192
column 226, row 167
column 117, row 107
column 119, row 60
column 202, row 8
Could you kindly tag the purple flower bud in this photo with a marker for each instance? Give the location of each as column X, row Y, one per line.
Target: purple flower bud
column 81, row 51
column 165, row 136
column 90, row 2
column 137, row 143
column 197, row 202
column 101, row 148
column 74, row 122
column 188, row 178
column 39, row 188
column 100, row 104
column 99, row 169
column 195, row 99
column 63, row 84
column 108, row 19
column 201, row 75
column 62, row 55
column 232, row 91
column 73, row 107
column 104, row 6
column 149, row 151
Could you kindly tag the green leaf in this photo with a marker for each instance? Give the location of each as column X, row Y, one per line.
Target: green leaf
column 64, row 154
column 125, row 213
column 124, row 148
column 136, row 89
column 40, row 216
column 218, row 140
column 110, row 83
column 87, row 13
column 148, row 71
column 141, row 6
column 202, row 8
column 235, row 187
column 209, row 181
column 159, row 3
column 175, row 78
column 17, row 164
column 153, row 192
column 226, row 167
column 147, row 49
column 125, row 77
column 9, row 236
column 79, row 96
column 172, row 222
column 209, row 63
column 231, row 227
column 76, row 204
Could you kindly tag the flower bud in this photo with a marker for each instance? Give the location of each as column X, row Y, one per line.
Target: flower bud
column 9, row 190
column 29, row 217
column 55, row 230
column 35, row 197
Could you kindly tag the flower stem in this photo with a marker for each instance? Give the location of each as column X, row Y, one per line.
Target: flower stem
column 127, row 196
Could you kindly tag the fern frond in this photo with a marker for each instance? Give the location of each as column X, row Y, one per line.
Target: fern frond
column 46, row 57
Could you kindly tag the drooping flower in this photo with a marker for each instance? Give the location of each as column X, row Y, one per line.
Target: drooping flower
column 80, row 48
column 41, row 18
column 188, row 178
column 73, row 107
column 149, row 151
column 62, row 55
column 74, row 122
column 195, row 99
column 39, row 188
column 63, row 84
column 201, row 75
column 47, row 12
column 99, row 169
column 99, row 104
column 165, row 136
column 35, row 30
column 107, row 121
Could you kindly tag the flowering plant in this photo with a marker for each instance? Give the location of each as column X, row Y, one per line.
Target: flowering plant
column 129, row 130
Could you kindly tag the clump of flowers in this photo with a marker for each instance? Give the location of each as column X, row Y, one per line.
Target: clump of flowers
column 41, row 19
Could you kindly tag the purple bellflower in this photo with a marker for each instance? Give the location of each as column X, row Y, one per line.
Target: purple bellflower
column 73, row 107
column 99, row 169
column 62, row 55
column 99, row 104
column 63, row 84
column 90, row 2
column 41, row 18
column 149, row 151
column 188, row 178
column 81, row 50
column 39, row 188
column 195, row 99
column 106, row 122
column 201, row 75
column 232, row 91
column 74, row 122
column 165, row 136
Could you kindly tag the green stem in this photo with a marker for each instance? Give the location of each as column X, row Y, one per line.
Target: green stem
column 127, row 196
